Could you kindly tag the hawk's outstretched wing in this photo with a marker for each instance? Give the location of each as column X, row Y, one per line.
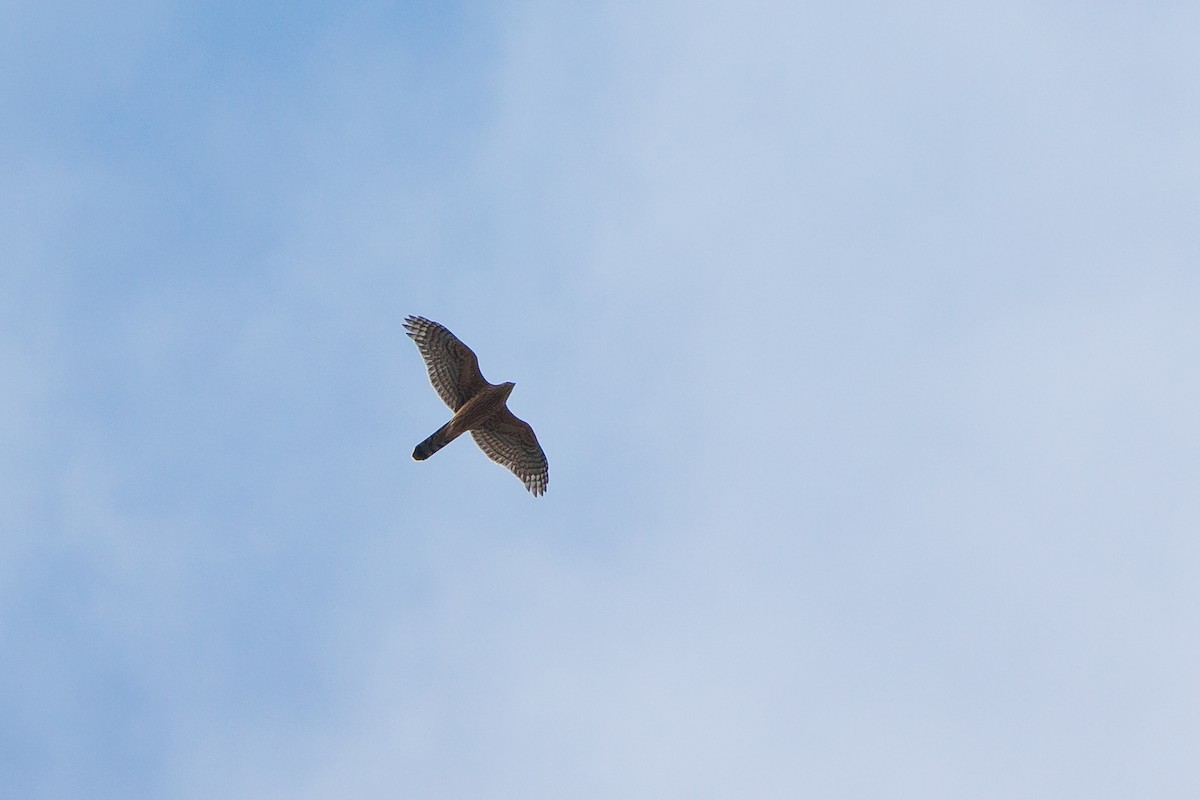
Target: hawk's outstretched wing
column 453, row 367
column 511, row 443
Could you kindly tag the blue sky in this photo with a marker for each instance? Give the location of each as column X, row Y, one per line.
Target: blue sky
column 862, row 340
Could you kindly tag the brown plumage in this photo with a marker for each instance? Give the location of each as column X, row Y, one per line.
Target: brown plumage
column 479, row 407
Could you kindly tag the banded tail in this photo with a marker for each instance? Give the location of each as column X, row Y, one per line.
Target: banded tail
column 439, row 439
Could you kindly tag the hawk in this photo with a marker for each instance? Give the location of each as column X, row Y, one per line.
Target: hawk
column 478, row 406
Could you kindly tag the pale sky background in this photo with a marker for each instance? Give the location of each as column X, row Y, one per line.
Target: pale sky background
column 862, row 338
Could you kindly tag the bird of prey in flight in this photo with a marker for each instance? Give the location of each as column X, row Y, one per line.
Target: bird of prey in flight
column 478, row 406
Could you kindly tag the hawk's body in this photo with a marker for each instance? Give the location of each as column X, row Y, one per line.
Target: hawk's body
column 476, row 413
column 479, row 407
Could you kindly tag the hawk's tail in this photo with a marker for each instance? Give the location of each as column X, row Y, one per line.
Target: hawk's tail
column 440, row 438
